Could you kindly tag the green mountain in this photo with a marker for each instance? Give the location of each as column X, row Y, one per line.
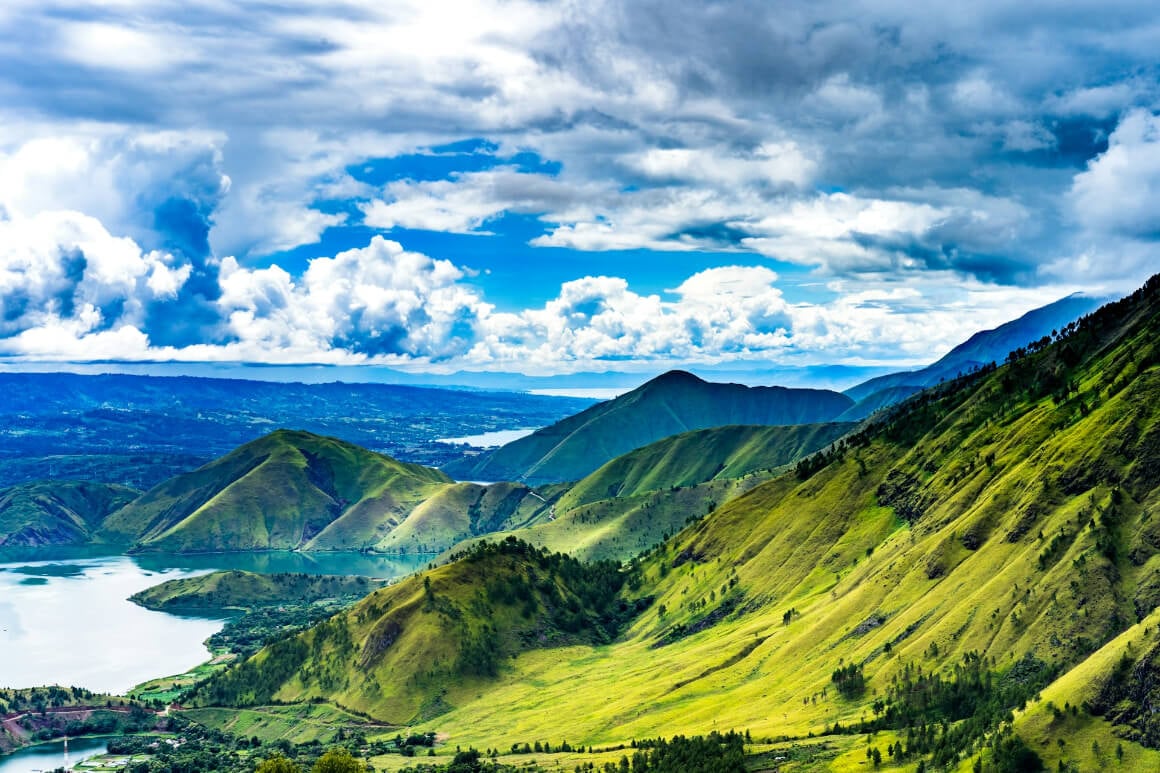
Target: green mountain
column 298, row 491
column 57, row 512
column 235, row 589
column 670, row 404
column 969, row 582
column 640, row 498
column 404, row 649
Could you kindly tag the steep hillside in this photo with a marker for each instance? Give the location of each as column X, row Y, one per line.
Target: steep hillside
column 57, row 512
column 408, row 651
column 670, row 404
column 298, row 491
column 646, row 495
column 939, row 573
column 982, row 348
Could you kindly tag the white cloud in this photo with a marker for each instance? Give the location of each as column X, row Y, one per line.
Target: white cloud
column 63, row 269
column 376, row 301
column 1118, row 192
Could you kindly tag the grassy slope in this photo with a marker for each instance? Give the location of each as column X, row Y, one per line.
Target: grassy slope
column 460, row 511
column 245, row 590
column 1030, row 531
column 295, row 490
column 411, row 650
column 669, row 404
column 57, row 512
column 638, row 499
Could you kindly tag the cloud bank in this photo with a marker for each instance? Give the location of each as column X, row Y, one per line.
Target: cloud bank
column 870, row 181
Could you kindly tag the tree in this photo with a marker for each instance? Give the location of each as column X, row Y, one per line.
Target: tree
column 278, row 764
column 337, row 760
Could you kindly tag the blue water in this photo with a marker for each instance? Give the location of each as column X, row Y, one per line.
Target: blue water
column 50, row 756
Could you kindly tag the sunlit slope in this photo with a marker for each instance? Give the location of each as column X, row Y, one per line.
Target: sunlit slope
column 415, row 649
column 670, row 404
column 924, row 535
column 462, row 510
column 1001, row 526
column 647, row 495
column 57, row 512
column 703, row 455
column 284, row 491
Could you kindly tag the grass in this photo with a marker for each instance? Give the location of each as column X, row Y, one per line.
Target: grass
column 298, row 724
column 1004, row 515
column 167, row 689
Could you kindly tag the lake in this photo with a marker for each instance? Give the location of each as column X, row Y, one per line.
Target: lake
column 65, row 617
column 491, row 439
column 50, row 756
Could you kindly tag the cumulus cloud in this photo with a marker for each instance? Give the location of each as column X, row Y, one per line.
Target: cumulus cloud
column 64, row 267
column 161, row 157
column 1118, row 192
column 378, row 301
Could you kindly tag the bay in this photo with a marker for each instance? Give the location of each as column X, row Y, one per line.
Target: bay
column 50, row 756
column 65, row 617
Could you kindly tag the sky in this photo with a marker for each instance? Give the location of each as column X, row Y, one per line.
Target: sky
column 563, row 188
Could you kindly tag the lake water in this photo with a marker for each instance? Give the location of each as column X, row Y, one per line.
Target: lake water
column 65, row 617
column 50, row 756
column 493, row 439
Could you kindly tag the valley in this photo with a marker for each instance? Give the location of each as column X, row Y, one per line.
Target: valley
column 964, row 579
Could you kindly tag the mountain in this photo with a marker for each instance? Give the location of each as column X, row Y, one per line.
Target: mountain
column 411, row 648
column 969, row 581
column 982, row 348
column 57, row 512
column 638, row 499
column 293, row 490
column 669, row 404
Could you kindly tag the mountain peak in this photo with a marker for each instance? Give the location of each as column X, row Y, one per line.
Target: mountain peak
column 675, row 377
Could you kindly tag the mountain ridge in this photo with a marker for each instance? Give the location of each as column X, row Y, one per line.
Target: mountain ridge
column 671, row 403
column 974, row 546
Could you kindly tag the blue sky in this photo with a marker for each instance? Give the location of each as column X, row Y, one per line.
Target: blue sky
column 550, row 189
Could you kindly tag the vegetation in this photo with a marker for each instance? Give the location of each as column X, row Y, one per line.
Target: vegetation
column 987, row 542
column 643, row 497
column 59, row 512
column 670, row 404
column 239, row 590
column 400, row 653
column 298, row 491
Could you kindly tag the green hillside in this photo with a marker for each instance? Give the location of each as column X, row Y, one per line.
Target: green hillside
column 287, row 490
column 226, row 590
column 703, row 455
column 670, row 404
column 920, row 591
column 57, row 512
column 410, row 650
column 642, row 497
column 298, row 491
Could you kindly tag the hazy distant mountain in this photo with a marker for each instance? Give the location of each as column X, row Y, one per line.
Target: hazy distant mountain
column 669, row 404
column 983, row 347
